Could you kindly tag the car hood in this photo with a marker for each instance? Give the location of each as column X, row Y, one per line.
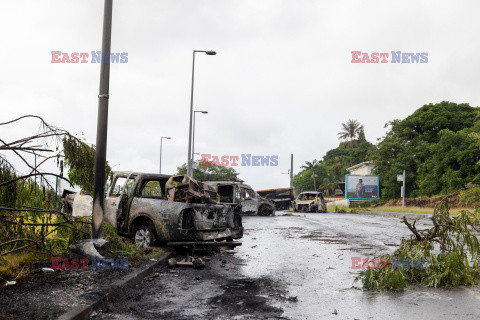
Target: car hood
column 304, row 201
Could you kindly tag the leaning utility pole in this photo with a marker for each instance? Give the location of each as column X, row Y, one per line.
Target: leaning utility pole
column 102, row 122
column 291, row 170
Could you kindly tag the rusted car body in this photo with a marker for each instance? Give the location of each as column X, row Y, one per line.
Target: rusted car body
column 281, row 197
column 161, row 208
column 310, row 201
column 239, row 193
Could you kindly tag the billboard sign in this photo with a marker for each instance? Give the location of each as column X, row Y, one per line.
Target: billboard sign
column 362, row 187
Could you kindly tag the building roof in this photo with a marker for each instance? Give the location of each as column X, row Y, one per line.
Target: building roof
column 363, row 164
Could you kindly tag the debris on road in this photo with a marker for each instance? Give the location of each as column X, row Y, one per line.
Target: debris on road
column 188, row 261
column 88, row 247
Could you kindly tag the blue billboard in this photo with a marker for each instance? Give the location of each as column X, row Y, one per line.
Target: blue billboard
column 362, row 187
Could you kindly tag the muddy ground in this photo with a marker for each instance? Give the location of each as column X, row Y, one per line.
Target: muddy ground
column 218, row 291
column 48, row 295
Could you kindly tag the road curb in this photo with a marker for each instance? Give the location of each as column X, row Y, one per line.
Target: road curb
column 83, row 312
column 392, row 214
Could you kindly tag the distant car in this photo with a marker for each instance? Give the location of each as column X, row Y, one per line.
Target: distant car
column 310, row 201
column 239, row 193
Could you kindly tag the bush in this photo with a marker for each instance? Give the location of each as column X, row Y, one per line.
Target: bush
column 450, row 246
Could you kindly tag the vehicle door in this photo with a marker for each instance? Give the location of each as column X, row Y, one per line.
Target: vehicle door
column 249, row 201
column 322, row 204
column 118, row 199
column 150, row 202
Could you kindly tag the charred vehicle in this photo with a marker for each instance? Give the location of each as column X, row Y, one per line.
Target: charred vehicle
column 160, row 208
column 310, row 201
column 239, row 193
column 282, row 197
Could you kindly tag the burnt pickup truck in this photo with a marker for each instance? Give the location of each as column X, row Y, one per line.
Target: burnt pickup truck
column 152, row 208
column 239, row 193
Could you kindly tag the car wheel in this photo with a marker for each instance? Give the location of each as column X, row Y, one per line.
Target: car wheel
column 264, row 211
column 145, row 235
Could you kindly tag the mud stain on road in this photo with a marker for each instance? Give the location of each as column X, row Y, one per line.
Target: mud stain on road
column 249, row 296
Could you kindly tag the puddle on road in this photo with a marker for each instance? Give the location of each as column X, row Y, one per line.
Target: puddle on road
column 425, row 296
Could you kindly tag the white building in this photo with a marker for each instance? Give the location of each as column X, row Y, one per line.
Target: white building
column 363, row 168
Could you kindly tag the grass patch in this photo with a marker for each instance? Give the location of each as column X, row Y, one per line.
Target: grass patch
column 118, row 246
column 411, row 209
column 340, row 208
column 19, row 265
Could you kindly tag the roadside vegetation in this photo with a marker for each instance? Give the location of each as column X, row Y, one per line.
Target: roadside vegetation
column 450, row 248
column 34, row 225
column 437, row 146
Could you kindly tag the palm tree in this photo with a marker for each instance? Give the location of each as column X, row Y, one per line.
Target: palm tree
column 361, row 134
column 350, row 130
column 310, row 165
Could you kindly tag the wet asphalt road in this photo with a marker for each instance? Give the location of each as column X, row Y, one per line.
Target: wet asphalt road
column 292, row 267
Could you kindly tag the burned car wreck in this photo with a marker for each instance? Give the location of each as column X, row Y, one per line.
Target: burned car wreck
column 155, row 208
column 281, row 197
column 236, row 192
column 310, row 201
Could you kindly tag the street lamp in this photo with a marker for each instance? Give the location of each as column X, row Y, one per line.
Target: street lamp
column 190, row 156
column 102, row 123
column 161, row 142
column 193, row 135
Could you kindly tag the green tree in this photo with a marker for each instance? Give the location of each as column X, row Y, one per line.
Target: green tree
column 80, row 160
column 432, row 146
column 210, row 172
column 453, row 163
column 332, row 168
column 310, row 165
column 350, row 130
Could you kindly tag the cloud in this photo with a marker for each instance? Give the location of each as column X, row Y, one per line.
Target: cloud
column 282, row 81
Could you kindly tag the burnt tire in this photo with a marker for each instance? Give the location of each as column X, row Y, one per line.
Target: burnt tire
column 144, row 234
column 265, row 211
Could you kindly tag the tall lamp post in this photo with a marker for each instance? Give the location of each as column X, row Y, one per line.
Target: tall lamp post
column 161, row 142
column 102, row 122
column 190, row 156
column 193, row 135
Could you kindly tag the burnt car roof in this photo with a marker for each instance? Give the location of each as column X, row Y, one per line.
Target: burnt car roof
column 216, row 182
column 313, row 192
column 141, row 174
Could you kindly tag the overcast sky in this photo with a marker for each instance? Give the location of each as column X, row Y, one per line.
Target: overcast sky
column 282, row 81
